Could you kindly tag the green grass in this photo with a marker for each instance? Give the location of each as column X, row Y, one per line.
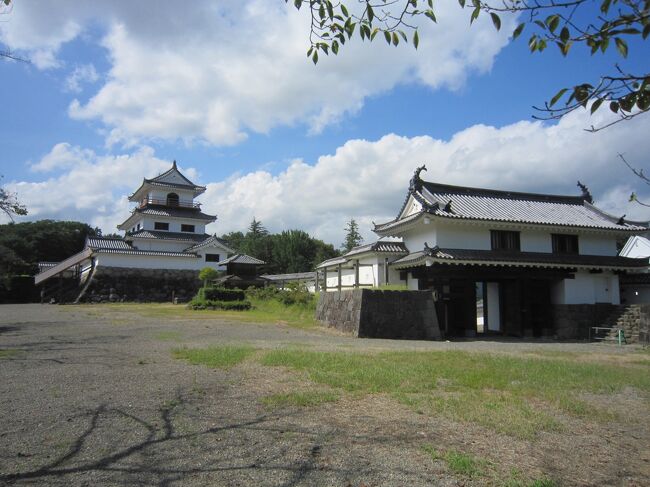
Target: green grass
column 173, row 336
column 7, row 353
column 223, row 357
column 459, row 463
column 264, row 311
column 512, row 395
column 299, row 399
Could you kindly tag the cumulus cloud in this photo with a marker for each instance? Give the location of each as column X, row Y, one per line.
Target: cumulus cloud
column 85, row 73
column 217, row 71
column 365, row 180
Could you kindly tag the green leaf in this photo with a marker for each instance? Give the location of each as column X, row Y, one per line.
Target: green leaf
column 321, row 11
column 604, row 44
column 297, row 4
column 416, row 39
column 330, row 9
column 604, row 6
column 557, row 96
column 614, row 106
column 374, row 33
column 621, row 45
column 496, row 20
column 475, row 14
column 315, row 57
column 462, row 3
column 387, row 36
column 395, row 38
column 596, row 105
column 371, row 13
column 431, row 15
column 335, row 47
column 565, row 34
column 344, row 11
column 517, row 32
column 646, row 31
column 552, row 22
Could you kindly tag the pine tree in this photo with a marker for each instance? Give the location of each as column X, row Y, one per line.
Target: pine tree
column 352, row 237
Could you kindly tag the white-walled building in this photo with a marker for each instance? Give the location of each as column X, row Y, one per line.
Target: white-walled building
column 495, row 260
column 166, row 231
column 635, row 286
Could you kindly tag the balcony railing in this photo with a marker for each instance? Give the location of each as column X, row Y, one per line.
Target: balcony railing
column 169, row 203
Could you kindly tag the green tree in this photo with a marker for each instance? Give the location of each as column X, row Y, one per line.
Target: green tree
column 10, row 205
column 352, row 236
column 562, row 23
column 208, row 274
column 293, row 251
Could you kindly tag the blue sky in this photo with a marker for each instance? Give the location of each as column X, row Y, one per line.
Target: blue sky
column 114, row 93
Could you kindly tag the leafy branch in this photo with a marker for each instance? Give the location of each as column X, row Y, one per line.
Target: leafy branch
column 639, row 174
column 560, row 23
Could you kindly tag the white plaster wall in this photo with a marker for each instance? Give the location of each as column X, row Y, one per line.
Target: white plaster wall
column 415, row 238
column 366, row 277
column 149, row 262
column 597, row 245
column 587, row 288
column 536, row 241
column 170, row 246
column 455, row 236
column 412, row 284
column 174, row 225
column 160, row 194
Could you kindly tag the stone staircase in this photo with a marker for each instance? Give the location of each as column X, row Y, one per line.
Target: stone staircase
column 626, row 318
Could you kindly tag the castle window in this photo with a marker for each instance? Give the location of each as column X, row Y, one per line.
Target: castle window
column 187, row 228
column 504, row 240
column 212, row 257
column 564, row 244
column 161, row 226
column 172, row 199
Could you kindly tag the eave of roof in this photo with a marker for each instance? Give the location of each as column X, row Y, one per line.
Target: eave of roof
column 242, row 259
column 296, row 276
column 517, row 259
column 210, row 241
column 154, row 253
column 162, row 235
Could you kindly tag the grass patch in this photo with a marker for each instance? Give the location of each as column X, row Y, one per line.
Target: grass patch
column 512, row 395
column 459, row 463
column 223, row 357
column 7, row 353
column 299, row 399
column 171, row 336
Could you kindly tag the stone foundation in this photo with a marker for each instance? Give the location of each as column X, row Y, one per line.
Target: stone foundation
column 370, row 313
column 572, row 321
column 644, row 324
column 116, row 284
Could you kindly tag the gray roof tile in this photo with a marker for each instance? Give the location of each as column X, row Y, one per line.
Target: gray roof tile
column 162, row 235
column 108, row 243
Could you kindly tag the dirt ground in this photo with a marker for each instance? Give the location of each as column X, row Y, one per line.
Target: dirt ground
column 96, row 398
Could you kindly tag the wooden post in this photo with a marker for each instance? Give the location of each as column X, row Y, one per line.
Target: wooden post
column 339, row 275
column 356, row 273
column 316, row 283
column 385, row 270
column 325, row 279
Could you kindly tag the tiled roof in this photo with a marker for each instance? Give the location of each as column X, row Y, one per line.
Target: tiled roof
column 525, row 259
column 290, row 277
column 242, row 259
column 464, row 203
column 380, row 246
column 157, row 253
column 173, row 177
column 162, row 235
column 189, row 213
column 208, row 241
column 107, row 243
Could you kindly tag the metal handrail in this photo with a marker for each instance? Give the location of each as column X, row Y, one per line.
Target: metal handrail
column 620, row 334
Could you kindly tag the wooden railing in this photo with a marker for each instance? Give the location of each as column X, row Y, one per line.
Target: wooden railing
column 63, row 266
column 169, row 203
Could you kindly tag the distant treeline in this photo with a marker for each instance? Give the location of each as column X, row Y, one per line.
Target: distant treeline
column 285, row 252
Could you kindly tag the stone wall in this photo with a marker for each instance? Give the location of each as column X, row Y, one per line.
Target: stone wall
column 644, row 324
column 572, row 321
column 370, row 313
column 141, row 285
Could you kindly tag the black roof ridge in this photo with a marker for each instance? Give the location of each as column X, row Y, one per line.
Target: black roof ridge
column 502, row 194
column 169, row 171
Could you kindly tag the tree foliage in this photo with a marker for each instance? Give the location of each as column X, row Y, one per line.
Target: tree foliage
column 10, row 205
column 23, row 245
column 208, row 274
column 285, row 252
column 562, row 23
column 352, row 236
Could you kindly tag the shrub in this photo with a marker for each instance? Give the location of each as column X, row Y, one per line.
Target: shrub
column 221, row 294
column 198, row 303
column 295, row 294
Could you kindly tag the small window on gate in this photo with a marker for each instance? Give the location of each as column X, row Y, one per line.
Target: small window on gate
column 187, row 228
column 161, row 226
column 504, row 240
column 212, row 257
column 565, row 244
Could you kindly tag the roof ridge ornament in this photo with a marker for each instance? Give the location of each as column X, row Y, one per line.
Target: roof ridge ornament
column 586, row 195
column 416, row 180
column 174, row 164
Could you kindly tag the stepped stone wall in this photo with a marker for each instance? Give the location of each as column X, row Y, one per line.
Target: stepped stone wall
column 644, row 323
column 116, row 284
column 572, row 321
column 370, row 313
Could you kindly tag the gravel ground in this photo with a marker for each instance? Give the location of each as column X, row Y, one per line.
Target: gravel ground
column 95, row 398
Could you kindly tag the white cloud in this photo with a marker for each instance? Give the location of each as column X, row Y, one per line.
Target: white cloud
column 365, row 180
column 217, row 71
column 85, row 73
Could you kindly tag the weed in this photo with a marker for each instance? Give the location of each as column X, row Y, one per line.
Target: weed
column 7, row 352
column 168, row 336
column 223, row 357
column 458, row 462
column 300, row 399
